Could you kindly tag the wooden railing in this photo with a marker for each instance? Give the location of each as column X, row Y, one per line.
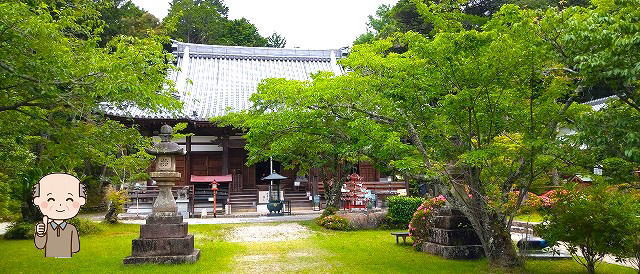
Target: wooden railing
column 146, row 195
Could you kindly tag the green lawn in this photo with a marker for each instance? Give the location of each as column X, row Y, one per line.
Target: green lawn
column 531, row 217
column 325, row 251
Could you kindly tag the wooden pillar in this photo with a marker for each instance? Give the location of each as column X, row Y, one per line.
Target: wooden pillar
column 187, row 161
column 225, row 155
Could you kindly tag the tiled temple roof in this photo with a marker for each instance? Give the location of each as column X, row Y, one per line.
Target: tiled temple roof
column 597, row 104
column 213, row 79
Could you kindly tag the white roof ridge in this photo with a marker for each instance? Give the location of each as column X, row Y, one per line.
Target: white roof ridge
column 600, row 101
column 259, row 52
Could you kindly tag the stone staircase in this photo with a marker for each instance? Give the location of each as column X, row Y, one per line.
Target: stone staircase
column 299, row 199
column 244, row 200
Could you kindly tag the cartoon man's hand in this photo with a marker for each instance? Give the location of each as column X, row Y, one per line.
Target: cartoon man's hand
column 41, row 228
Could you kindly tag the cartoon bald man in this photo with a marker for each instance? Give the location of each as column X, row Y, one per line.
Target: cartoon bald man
column 59, row 197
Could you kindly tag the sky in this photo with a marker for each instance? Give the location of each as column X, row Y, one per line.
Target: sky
column 309, row 24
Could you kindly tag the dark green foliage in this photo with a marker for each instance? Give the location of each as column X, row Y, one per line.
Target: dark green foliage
column 334, row 222
column 85, row 226
column 26, row 230
column 123, row 17
column 20, row 231
column 613, row 138
column 276, row 41
column 401, row 209
column 365, row 38
column 617, row 170
column 207, row 22
column 330, row 210
column 54, row 76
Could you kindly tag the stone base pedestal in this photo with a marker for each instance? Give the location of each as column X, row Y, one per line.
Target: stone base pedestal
column 163, row 239
column 452, row 236
column 177, row 259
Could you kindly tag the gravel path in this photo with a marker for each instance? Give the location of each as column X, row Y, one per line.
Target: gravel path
column 268, row 233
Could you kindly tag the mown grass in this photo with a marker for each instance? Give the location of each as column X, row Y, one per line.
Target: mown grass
column 531, row 217
column 324, row 251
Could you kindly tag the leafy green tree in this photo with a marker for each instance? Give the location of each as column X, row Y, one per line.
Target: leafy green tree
column 55, row 83
column 288, row 122
column 123, row 17
column 207, row 22
column 473, row 109
column 596, row 50
column 598, row 46
column 588, row 236
column 276, row 41
column 420, row 15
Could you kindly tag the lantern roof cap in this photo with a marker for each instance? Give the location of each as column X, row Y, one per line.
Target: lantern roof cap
column 165, row 146
column 274, row 176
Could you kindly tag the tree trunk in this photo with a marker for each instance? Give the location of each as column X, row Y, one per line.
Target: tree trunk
column 332, row 191
column 497, row 245
column 490, row 226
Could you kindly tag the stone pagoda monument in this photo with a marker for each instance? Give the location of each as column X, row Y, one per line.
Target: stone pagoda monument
column 164, row 239
column 452, row 236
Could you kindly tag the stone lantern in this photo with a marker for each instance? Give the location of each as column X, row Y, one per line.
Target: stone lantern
column 165, row 173
column 164, row 238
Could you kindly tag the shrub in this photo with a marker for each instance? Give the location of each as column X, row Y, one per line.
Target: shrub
column 20, row 231
column 85, row 226
column 330, row 210
column 117, row 199
column 531, row 202
column 334, row 222
column 358, row 220
column 422, row 219
column 401, row 209
column 571, row 220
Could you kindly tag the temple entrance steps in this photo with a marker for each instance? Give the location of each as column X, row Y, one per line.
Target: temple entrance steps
column 244, row 200
column 298, row 199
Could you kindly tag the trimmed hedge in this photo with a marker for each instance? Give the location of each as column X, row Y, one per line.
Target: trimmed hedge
column 401, row 209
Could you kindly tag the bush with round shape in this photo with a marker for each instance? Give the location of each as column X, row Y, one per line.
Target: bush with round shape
column 330, row 210
column 334, row 222
column 422, row 219
column 85, row 226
